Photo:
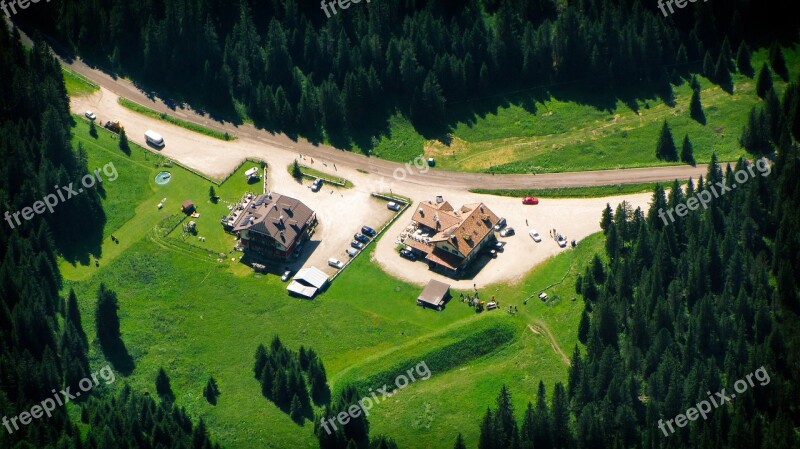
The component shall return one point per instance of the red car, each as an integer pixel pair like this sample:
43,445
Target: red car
530,200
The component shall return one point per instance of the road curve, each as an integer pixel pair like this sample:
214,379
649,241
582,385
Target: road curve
382,167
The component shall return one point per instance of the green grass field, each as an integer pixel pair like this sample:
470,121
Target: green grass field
77,85
312,173
197,314
136,107
557,134
573,192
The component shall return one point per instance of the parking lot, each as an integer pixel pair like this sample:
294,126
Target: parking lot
574,218
340,212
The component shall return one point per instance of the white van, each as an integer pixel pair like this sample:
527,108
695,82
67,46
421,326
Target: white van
153,138
335,263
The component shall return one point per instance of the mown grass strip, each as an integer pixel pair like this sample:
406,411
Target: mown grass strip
77,85
574,192
311,173
136,107
469,346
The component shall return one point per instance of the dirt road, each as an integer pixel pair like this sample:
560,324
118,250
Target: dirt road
380,167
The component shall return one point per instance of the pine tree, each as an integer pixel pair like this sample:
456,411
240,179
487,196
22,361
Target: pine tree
123,142
722,75
607,218
708,66
764,82
261,361
755,134
743,60
296,172
665,149
211,391
694,83
212,194
696,108
92,129
296,410
777,61
687,151
583,327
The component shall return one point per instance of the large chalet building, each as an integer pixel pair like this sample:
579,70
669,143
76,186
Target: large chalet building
270,225
450,239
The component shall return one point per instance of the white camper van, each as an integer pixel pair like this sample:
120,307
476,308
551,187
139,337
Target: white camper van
154,138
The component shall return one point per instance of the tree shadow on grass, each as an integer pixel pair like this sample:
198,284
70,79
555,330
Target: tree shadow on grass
116,353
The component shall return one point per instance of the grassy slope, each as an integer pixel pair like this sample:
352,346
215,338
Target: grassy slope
77,85
562,135
197,316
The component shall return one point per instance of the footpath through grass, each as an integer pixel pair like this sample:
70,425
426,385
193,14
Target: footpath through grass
136,107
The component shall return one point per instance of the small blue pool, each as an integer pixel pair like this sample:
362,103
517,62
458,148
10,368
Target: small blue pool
163,177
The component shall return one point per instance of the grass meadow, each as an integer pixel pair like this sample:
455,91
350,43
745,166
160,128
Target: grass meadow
196,314
541,130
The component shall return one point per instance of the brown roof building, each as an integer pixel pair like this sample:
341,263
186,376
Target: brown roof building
271,225
451,238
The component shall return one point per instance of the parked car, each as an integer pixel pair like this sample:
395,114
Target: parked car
500,224
543,296
491,305
90,115
351,252
408,254
316,185
562,241
393,206
530,200
335,263
368,231
361,238
507,232
499,246
491,253
356,244
535,235
286,275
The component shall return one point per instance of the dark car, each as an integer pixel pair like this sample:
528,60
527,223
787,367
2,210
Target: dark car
500,224
356,244
361,238
368,231
408,254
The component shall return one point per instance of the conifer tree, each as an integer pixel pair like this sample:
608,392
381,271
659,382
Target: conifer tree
764,82
665,149
687,151
743,64
777,62
696,108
